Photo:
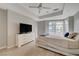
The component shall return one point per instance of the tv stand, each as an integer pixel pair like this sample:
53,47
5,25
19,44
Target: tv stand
22,39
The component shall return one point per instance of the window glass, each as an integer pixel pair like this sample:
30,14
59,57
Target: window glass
55,27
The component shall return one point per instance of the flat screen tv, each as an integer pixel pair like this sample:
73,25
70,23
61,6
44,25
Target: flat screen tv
25,28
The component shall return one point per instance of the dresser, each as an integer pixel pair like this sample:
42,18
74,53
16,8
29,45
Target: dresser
22,39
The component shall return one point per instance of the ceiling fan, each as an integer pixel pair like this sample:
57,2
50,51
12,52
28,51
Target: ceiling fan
40,6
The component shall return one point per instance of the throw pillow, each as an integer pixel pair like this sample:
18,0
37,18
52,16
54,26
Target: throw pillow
66,34
72,35
77,37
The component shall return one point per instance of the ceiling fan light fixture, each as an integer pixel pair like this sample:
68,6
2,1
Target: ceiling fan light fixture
56,9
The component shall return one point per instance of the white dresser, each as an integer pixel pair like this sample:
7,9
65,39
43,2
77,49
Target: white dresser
23,39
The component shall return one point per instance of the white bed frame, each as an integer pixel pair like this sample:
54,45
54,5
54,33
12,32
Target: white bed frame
60,50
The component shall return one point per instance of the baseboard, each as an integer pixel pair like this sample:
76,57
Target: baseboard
11,46
2,47
8,47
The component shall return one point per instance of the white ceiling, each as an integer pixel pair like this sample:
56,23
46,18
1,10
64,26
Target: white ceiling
43,11
70,9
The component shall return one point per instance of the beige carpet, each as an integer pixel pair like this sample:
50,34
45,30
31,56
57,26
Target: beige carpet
28,50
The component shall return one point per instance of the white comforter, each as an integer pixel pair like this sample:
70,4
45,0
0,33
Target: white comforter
58,41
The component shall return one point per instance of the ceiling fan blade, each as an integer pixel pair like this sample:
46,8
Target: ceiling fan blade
46,7
56,9
33,7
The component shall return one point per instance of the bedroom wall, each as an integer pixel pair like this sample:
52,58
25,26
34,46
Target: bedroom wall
76,22
66,25
41,27
3,28
13,26
71,24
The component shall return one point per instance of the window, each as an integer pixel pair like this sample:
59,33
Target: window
55,27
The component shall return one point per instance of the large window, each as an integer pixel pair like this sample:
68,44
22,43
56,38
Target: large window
56,27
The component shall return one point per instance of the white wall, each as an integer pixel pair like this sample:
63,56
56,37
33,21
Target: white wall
71,24
41,27
3,28
76,22
66,25
13,26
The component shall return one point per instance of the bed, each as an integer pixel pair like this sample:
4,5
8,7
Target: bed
59,44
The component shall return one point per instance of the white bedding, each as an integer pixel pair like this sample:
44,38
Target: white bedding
61,44
58,41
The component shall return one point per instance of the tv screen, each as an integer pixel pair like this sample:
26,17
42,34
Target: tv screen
24,28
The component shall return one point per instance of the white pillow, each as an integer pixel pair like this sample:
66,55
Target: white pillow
77,37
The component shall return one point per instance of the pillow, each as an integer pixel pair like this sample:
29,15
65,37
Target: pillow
77,37
66,34
72,35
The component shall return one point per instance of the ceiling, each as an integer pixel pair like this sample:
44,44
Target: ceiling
51,6
69,9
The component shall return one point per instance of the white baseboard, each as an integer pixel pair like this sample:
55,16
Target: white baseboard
11,46
8,47
2,47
